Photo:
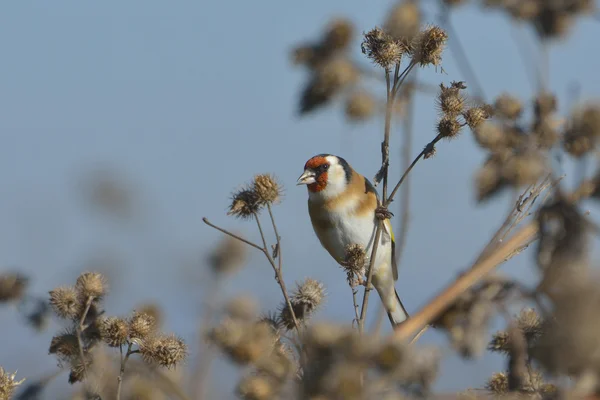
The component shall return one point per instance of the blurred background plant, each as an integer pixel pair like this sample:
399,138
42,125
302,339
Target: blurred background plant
391,71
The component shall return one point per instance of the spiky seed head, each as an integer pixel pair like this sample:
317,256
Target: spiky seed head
525,168
267,188
228,256
304,55
164,350
256,387
65,302
114,331
403,21
587,120
448,127
530,323
489,136
245,204
429,151
450,100
141,325
360,106
12,286
429,45
390,355
475,116
64,345
499,342
242,307
381,48
498,383
244,342
154,311
305,300
8,384
338,34
508,107
544,105
91,284
488,180
77,373
356,259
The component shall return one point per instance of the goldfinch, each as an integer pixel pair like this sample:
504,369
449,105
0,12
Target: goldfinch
341,205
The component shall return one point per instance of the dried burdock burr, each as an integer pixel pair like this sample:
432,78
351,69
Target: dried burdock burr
476,116
507,107
256,387
244,342
140,326
583,131
164,350
66,303
245,203
91,285
305,300
448,127
338,35
65,345
327,80
355,262
382,49
450,100
489,179
498,383
114,331
8,384
525,168
403,21
228,256
429,45
12,286
360,106
489,136
267,188
242,307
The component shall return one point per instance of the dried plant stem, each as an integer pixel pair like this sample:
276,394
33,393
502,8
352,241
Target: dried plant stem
479,270
79,331
276,236
265,251
124,359
355,303
368,288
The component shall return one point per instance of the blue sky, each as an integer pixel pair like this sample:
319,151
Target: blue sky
185,101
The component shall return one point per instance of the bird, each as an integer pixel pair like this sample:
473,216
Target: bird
342,207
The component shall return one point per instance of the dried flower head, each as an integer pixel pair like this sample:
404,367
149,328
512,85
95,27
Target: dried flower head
530,323
228,256
448,127
153,310
245,203
499,342
544,105
65,345
78,369
429,46
490,136
403,21
91,285
360,106
65,302
305,300
257,387
429,151
381,48
338,35
525,168
489,179
242,307
508,107
498,383
327,80
140,326
244,342
12,286
308,55
584,130
450,99
114,331
355,262
8,384
164,350
267,188
475,116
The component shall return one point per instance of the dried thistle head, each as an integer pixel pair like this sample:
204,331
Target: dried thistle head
490,136
499,342
228,256
355,262
475,116
584,130
245,203
242,307
78,368
327,80
305,300
64,345
360,106
525,168
403,21
140,326
381,48
448,127
450,100
338,35
508,107
530,324
8,384
244,342
544,104
91,285
12,286
164,350
114,331
489,179
268,189
153,310
429,45
498,383
65,302
257,387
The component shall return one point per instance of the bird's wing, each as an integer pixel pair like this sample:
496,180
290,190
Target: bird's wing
387,224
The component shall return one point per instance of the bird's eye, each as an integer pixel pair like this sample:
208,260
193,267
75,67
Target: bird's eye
325,167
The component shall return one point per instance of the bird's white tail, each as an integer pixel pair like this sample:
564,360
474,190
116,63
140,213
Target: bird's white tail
398,314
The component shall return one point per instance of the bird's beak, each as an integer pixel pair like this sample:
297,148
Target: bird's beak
306,178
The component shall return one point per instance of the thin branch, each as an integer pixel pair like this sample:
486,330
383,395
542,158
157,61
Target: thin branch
122,369
365,303
276,236
80,329
233,235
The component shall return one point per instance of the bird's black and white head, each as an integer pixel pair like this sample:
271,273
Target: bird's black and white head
326,175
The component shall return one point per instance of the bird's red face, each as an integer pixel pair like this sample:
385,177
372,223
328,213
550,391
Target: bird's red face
315,174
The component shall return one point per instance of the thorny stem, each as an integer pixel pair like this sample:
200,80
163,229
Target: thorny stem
122,369
265,251
80,329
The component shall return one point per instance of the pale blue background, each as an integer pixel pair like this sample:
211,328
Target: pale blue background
187,100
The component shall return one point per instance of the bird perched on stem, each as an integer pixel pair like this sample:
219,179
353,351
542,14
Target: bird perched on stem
342,206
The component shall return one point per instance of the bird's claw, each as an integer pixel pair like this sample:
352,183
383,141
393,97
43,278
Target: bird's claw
382,213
